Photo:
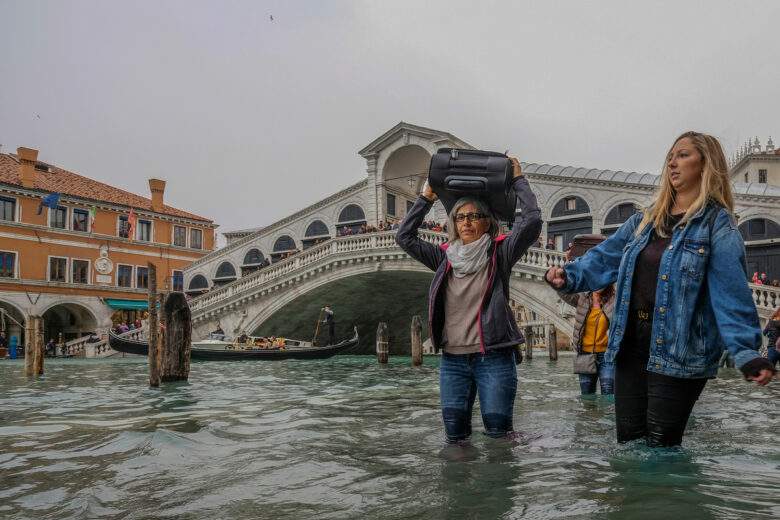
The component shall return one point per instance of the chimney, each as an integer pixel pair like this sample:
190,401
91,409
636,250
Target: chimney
157,187
27,158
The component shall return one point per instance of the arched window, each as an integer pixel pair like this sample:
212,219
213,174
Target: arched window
351,218
317,229
762,252
226,273
253,257
617,216
316,232
253,261
283,247
570,206
198,285
570,217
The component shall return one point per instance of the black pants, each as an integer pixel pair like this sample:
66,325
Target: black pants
331,333
647,404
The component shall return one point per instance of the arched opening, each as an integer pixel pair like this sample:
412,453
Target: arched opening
316,232
403,174
283,248
350,220
570,217
226,273
254,260
72,320
12,324
198,285
617,216
762,247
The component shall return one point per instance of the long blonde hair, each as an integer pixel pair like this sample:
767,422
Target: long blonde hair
715,185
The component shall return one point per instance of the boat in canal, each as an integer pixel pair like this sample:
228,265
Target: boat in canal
219,348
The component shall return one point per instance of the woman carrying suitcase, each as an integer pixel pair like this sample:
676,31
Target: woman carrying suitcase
681,295
469,315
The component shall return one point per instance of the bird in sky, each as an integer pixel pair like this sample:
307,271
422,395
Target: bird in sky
271,17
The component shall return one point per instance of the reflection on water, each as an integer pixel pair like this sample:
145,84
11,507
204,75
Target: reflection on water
346,438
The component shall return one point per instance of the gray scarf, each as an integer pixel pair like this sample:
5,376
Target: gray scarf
468,258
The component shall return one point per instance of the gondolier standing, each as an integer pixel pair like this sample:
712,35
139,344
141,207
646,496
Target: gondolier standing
330,321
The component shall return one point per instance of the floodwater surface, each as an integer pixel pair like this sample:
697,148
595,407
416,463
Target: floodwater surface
347,438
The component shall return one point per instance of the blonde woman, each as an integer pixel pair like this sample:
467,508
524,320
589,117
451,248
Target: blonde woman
682,295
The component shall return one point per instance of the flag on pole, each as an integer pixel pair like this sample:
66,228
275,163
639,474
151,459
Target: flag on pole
50,201
92,215
131,221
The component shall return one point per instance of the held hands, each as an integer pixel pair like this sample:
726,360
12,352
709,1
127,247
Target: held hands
428,193
517,171
556,277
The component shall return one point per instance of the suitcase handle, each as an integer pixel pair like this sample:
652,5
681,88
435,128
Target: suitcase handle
468,184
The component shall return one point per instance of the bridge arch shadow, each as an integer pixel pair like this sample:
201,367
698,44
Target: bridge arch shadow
362,299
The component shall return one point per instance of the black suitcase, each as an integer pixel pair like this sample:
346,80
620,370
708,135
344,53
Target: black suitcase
457,173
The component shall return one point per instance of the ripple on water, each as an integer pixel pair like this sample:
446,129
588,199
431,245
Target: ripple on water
346,438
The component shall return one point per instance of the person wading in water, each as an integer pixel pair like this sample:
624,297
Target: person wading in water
682,295
469,315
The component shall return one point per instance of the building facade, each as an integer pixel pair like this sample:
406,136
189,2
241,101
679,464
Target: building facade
76,263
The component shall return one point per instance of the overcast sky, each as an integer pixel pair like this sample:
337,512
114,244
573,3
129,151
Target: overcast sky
249,119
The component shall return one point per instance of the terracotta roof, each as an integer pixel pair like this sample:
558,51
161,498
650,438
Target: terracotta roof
69,183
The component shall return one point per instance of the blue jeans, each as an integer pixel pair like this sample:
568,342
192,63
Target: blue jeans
605,375
493,376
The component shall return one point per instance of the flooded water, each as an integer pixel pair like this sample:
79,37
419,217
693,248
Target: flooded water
346,438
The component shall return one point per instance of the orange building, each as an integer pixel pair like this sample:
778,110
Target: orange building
75,264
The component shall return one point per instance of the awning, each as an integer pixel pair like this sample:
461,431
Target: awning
127,305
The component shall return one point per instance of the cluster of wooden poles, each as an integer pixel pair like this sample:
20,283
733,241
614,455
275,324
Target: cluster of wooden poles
383,343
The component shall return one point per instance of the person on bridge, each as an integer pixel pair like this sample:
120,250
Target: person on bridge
330,321
680,296
469,315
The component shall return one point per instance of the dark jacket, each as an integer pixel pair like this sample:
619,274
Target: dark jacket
582,302
497,327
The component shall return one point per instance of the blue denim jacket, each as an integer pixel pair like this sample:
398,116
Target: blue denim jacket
702,303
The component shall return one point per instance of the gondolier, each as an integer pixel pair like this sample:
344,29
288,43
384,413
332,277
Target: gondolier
330,321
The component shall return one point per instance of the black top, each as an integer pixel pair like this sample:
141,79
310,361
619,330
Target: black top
639,329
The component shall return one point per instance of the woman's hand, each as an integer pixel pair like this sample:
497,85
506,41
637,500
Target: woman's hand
517,171
556,277
428,193
763,377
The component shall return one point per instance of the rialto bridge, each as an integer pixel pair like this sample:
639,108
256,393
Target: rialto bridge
243,285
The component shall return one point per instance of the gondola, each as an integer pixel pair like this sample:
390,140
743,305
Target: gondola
219,350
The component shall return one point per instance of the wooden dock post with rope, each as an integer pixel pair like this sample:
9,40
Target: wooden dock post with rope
382,343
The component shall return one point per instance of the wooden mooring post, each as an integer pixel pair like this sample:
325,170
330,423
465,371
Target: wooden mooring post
528,332
33,348
382,343
154,329
176,338
416,335
552,342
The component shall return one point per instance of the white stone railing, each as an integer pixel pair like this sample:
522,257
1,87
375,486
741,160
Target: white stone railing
535,260
767,298
81,347
349,244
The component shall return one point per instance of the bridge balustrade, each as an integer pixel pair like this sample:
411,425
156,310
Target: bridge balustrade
535,261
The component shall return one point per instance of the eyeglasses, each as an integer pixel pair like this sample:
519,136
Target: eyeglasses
471,217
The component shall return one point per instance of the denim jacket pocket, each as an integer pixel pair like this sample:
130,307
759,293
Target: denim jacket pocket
694,259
